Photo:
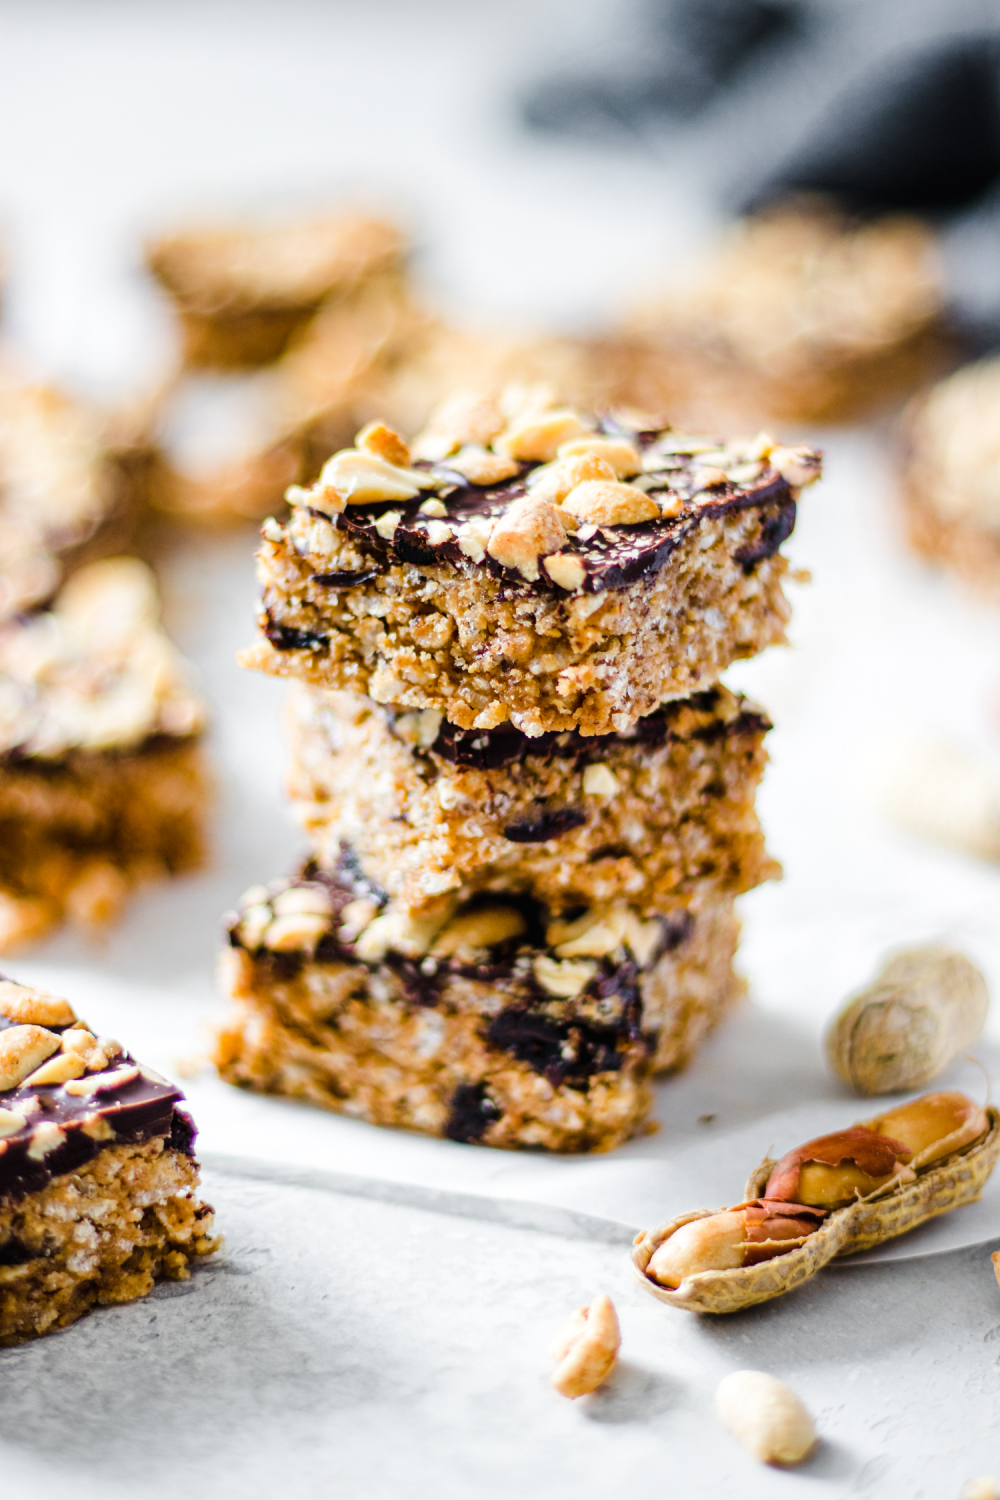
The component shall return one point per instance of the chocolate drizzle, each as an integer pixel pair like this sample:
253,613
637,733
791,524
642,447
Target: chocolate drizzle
492,749
341,578
774,530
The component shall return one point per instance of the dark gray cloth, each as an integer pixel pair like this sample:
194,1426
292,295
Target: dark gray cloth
885,105
685,52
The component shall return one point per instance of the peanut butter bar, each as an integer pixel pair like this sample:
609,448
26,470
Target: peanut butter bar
242,290
98,1181
102,783
658,816
486,1022
950,491
530,566
65,498
801,314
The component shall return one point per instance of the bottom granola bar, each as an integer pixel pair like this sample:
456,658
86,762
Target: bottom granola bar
97,1172
490,1024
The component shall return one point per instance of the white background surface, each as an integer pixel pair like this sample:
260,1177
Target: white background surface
356,1347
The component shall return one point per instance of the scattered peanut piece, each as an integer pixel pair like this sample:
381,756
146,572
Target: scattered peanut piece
527,532
995,1258
766,1416
586,1348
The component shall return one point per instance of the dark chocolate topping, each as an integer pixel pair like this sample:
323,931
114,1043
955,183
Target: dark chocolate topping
775,529
612,557
76,757
345,884
136,1110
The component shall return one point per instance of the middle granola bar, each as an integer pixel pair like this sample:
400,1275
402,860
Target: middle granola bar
658,816
530,565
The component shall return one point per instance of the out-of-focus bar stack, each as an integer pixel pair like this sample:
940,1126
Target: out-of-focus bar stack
529,798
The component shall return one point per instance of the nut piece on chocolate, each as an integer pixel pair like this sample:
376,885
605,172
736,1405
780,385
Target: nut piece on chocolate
98,1181
423,589
242,290
101,776
488,1022
657,816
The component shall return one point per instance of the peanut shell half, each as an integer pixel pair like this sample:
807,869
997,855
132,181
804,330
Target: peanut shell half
890,1211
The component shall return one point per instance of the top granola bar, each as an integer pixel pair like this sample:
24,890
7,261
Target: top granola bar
530,564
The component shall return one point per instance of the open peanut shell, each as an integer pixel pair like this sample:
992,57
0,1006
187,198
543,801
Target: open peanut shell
915,1196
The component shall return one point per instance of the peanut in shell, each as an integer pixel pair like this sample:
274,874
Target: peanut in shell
925,1007
935,1187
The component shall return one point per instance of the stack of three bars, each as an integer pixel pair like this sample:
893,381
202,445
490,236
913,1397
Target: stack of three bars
530,801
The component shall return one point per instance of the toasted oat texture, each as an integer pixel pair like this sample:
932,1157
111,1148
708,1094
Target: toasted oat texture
659,816
102,783
489,603
800,314
102,1234
951,487
884,1214
64,497
242,290
479,1024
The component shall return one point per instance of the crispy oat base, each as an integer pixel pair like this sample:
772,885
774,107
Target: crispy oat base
482,650
103,1234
